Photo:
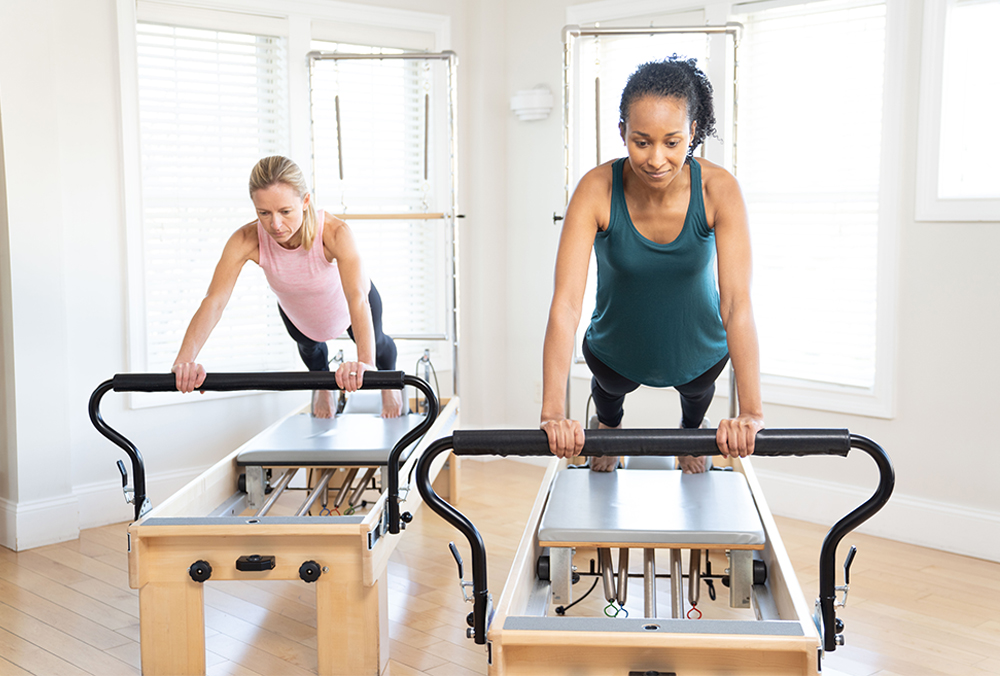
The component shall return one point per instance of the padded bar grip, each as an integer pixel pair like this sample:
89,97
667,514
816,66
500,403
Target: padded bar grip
776,442
229,382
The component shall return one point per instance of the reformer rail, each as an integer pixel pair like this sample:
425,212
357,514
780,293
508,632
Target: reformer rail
272,381
671,442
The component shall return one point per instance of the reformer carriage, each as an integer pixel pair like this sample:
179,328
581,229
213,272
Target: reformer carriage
650,509
224,524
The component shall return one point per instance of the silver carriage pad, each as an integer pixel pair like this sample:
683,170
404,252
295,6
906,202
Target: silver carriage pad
363,439
654,508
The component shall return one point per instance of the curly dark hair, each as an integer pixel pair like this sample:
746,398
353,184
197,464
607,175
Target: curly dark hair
676,77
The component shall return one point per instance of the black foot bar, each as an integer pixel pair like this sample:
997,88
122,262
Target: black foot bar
769,443
277,381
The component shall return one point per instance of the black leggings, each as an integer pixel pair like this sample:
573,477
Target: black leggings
316,355
609,388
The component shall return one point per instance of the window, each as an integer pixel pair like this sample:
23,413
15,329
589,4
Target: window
814,205
379,128
960,88
211,103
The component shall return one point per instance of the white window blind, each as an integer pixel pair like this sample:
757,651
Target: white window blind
211,103
389,156
808,160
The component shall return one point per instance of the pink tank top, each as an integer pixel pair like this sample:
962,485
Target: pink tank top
307,285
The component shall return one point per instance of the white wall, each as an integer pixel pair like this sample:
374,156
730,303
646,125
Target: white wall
64,295
8,459
948,314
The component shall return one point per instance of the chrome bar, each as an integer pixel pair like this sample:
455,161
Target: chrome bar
315,493
343,56
345,487
676,585
610,593
622,575
649,582
731,28
453,156
279,488
694,577
360,490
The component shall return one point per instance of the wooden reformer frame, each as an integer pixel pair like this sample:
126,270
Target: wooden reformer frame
786,639
198,534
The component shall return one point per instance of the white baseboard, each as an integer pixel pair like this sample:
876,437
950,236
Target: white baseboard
103,502
39,522
905,518
26,525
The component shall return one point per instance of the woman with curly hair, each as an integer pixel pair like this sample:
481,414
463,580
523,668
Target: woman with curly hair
657,220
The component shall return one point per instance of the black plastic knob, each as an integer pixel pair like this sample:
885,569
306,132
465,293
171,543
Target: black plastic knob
470,619
406,517
255,563
200,571
310,571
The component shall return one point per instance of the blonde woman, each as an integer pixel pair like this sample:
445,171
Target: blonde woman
312,264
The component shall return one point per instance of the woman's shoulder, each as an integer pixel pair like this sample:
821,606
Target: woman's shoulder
600,175
247,235
595,185
330,225
716,180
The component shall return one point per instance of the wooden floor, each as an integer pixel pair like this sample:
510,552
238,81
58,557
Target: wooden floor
67,608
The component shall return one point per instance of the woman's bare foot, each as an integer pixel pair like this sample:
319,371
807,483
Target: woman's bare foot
322,404
691,464
606,463
392,404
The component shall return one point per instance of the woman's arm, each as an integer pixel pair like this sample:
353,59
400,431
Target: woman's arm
339,241
240,248
572,261
732,240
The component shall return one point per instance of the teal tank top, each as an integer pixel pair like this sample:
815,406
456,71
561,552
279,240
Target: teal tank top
656,320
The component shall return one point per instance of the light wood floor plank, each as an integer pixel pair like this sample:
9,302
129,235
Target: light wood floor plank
64,620
11,669
34,659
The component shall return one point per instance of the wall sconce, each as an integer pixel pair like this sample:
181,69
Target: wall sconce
532,104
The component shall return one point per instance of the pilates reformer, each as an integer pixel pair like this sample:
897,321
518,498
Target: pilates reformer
224,525
780,637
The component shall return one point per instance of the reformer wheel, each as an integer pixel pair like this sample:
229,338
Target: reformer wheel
542,567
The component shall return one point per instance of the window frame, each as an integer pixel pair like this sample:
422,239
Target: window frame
879,400
929,206
298,22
